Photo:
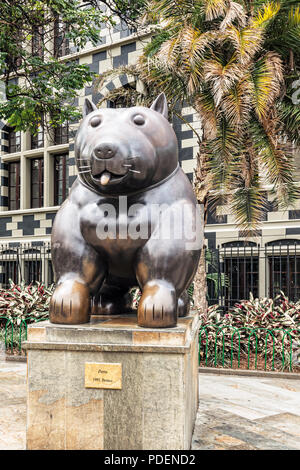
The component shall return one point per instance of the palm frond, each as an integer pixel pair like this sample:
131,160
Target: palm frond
220,77
235,12
223,150
248,206
267,77
292,29
236,103
205,106
194,44
169,53
247,42
156,42
277,161
294,16
289,114
266,14
214,8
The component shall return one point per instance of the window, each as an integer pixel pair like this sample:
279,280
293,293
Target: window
9,270
37,140
280,244
32,271
243,277
238,244
37,182
14,186
61,134
61,42
50,273
61,177
284,267
14,141
284,273
38,42
14,60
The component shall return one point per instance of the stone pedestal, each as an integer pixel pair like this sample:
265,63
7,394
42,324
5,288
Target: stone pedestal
151,403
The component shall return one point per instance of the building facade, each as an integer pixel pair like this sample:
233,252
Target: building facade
38,171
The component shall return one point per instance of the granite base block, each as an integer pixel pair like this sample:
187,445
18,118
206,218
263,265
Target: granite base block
155,408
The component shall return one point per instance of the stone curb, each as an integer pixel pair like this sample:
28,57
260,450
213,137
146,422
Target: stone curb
211,370
249,373
15,358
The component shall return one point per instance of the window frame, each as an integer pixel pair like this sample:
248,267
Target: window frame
40,183
64,179
61,42
14,189
37,141
14,141
37,42
61,134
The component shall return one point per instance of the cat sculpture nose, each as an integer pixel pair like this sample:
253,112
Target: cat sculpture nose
105,150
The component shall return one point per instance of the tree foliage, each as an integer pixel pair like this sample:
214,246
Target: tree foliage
38,81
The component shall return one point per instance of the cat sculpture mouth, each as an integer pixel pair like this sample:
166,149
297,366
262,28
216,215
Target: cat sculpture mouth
108,177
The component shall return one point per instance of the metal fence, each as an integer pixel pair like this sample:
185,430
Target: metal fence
236,269
13,335
26,262
224,347
249,348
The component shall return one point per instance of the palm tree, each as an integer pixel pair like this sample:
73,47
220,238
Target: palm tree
234,62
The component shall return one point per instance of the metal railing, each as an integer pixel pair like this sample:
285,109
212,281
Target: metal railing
25,262
272,353
12,335
214,351
236,269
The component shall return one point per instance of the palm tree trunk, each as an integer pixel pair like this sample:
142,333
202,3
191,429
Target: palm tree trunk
200,286
200,188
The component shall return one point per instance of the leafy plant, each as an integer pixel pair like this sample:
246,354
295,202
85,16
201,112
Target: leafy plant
25,303
268,328
19,305
135,297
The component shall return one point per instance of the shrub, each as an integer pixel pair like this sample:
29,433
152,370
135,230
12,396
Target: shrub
268,327
20,305
25,303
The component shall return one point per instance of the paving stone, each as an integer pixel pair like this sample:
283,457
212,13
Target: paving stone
287,422
256,415
260,441
235,413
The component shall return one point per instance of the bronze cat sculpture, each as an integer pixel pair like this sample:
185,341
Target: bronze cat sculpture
125,157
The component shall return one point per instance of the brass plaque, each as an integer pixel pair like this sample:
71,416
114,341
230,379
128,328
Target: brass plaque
103,375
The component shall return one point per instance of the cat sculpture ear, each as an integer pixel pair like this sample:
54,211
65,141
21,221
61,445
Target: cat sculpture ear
160,105
88,107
